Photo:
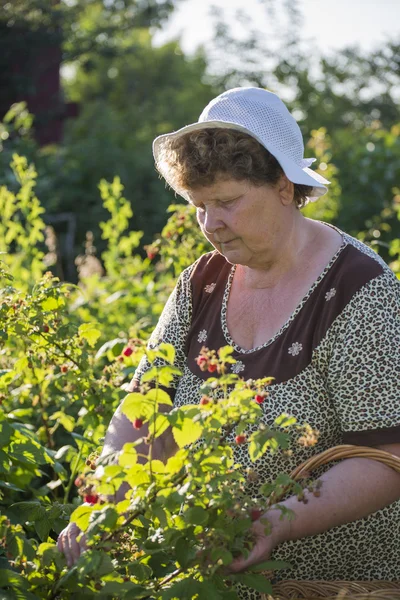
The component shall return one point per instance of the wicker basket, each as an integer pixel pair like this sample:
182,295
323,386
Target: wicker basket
339,590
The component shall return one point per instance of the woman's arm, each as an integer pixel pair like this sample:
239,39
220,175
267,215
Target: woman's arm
120,431
350,490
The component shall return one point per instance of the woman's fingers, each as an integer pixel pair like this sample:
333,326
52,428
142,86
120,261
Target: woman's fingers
68,544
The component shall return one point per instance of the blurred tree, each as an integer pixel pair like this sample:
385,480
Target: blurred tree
126,101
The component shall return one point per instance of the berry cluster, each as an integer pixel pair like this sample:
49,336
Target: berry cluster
208,361
309,438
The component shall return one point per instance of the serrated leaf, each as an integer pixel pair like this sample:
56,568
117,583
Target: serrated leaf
187,433
255,582
50,304
42,528
166,352
182,548
196,515
81,516
90,333
159,424
270,565
285,420
158,395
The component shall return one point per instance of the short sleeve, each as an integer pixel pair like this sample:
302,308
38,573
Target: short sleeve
172,328
364,368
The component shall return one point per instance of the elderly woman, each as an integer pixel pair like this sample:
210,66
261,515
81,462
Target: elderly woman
298,300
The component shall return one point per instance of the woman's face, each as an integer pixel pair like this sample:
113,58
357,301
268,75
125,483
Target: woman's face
244,222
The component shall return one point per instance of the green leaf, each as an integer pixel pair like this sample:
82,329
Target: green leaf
135,406
28,511
128,456
270,565
90,333
140,571
50,304
166,352
115,346
42,528
137,592
67,421
159,424
196,515
149,375
225,351
285,420
187,433
81,516
104,520
94,562
186,589
182,548
223,555
255,582
158,395
12,579
167,374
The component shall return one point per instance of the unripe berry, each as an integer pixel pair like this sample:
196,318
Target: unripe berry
240,439
137,423
212,368
128,351
202,362
78,481
64,369
204,401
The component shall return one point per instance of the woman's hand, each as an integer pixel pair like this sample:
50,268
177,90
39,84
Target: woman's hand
68,543
264,544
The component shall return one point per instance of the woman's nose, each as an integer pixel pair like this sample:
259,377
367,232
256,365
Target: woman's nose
211,221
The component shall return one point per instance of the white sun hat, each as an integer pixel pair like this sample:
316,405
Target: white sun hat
264,116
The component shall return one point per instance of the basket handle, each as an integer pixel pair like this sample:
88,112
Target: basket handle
345,451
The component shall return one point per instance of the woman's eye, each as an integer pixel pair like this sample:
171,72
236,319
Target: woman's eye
229,202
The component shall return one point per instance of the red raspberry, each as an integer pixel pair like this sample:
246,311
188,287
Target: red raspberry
128,351
46,328
259,398
240,439
137,423
255,514
212,368
91,498
64,369
204,401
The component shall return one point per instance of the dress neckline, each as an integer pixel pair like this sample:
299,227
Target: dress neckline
228,286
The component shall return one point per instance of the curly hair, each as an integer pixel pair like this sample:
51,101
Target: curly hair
200,158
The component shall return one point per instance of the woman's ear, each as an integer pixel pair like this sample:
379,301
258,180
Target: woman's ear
285,190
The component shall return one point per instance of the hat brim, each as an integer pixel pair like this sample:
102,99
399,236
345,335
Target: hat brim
294,172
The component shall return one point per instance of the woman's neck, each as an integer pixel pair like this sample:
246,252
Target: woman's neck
293,255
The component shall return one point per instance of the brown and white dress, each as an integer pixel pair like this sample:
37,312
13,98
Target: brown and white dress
335,362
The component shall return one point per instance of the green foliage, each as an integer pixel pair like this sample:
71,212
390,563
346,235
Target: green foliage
62,374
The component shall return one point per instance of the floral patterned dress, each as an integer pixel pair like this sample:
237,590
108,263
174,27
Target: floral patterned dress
335,362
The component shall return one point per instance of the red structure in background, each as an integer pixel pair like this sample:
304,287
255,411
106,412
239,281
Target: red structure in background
34,77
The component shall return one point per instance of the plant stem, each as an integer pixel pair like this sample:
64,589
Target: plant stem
73,473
